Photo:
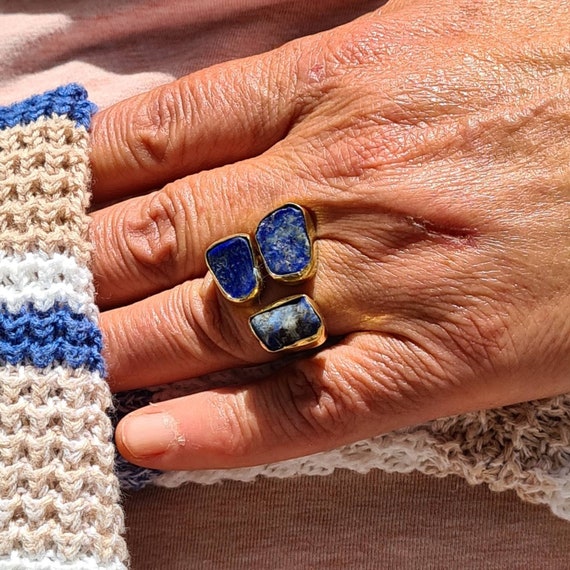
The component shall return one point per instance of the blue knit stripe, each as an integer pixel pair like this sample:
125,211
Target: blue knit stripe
69,100
49,338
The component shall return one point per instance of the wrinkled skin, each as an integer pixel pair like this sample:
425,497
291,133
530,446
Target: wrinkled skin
431,140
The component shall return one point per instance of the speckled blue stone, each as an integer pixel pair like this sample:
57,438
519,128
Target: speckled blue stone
232,263
286,324
284,242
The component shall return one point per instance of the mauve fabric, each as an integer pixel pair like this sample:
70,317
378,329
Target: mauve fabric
117,48
345,521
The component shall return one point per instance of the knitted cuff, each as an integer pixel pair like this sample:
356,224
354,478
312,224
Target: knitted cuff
59,497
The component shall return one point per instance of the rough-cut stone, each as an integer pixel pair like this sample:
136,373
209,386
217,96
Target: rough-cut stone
232,263
286,324
284,242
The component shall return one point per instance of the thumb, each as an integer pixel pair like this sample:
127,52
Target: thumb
357,389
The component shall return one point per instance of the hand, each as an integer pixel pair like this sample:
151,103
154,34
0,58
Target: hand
431,140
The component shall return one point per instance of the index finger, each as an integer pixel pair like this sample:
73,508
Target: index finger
215,116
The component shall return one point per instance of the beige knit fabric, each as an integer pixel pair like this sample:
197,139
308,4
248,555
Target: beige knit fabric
42,167
59,496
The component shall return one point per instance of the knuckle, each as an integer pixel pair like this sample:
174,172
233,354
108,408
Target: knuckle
324,404
162,117
360,44
474,318
406,367
239,437
407,378
363,149
154,238
345,152
409,375
210,327
483,334
369,137
448,352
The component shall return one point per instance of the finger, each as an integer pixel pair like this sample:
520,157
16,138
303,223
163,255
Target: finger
216,116
185,332
190,330
362,387
147,244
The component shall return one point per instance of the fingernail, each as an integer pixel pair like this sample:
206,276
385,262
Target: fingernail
145,435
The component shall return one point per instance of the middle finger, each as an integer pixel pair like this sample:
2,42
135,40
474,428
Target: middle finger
148,244
190,330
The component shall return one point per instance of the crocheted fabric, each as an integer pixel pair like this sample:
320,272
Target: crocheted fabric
59,496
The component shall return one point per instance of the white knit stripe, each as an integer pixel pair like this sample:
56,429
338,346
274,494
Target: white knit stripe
50,562
43,280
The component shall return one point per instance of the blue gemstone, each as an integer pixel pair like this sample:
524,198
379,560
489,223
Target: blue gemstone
286,324
284,241
232,263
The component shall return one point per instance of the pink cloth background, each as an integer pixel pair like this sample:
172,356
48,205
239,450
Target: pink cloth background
122,47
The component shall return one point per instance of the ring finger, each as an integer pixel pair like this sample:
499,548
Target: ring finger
190,330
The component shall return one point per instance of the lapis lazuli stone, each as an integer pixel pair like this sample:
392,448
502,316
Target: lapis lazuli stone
232,263
284,242
286,324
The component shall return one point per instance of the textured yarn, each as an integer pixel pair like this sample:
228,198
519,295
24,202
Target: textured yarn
51,336
42,164
131,476
59,496
43,281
